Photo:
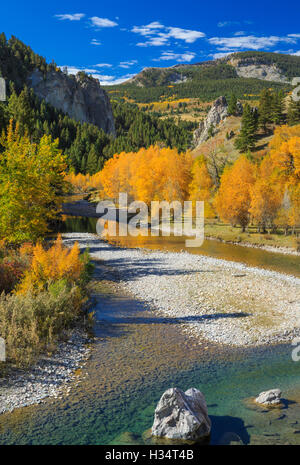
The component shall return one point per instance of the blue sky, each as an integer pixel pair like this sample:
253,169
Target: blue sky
117,39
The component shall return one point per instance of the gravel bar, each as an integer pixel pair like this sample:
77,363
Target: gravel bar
218,300
50,377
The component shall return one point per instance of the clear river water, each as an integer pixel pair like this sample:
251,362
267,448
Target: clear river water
137,355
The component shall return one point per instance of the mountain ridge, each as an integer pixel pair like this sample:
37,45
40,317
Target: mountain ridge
273,67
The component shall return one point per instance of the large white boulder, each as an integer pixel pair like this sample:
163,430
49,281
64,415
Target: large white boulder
182,415
271,397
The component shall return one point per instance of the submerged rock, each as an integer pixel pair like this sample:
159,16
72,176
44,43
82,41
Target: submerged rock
127,439
230,438
271,397
182,415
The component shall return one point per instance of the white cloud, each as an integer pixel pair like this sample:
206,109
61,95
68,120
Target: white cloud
95,42
127,64
290,51
248,42
112,81
239,33
296,36
157,41
179,57
102,22
103,65
147,30
105,79
220,55
158,34
74,69
185,34
297,54
227,23
233,23
70,17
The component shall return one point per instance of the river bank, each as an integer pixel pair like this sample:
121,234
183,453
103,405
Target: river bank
210,300
84,208
217,300
240,242
49,377
139,352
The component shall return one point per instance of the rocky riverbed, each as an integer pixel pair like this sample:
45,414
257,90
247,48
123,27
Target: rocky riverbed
210,299
217,300
50,377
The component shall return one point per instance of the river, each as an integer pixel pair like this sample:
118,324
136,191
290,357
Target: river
137,355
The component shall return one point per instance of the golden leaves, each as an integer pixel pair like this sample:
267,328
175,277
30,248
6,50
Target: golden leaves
50,265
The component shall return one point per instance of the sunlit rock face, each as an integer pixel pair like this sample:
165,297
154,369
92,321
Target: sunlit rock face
271,397
217,113
80,97
182,415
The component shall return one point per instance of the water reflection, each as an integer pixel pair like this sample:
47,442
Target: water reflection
289,264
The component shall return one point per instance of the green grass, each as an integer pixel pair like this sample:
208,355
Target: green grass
230,233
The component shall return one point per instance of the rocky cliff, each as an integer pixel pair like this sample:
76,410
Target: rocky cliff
217,113
80,96
266,72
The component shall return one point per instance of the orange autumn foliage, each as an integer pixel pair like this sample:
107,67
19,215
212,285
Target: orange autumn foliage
84,182
284,156
265,202
50,265
150,174
234,196
202,185
294,211
278,180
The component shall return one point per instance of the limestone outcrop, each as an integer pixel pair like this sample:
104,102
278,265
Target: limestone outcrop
254,69
81,97
216,114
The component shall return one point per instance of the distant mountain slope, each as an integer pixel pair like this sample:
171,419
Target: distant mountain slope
278,68
244,73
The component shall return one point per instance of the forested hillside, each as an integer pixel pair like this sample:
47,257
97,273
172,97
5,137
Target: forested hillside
86,146
204,89
210,79
17,60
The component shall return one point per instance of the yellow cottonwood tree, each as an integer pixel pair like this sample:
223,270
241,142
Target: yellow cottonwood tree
202,185
31,181
265,202
234,196
150,174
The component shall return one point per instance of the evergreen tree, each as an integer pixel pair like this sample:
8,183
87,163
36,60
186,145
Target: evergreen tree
278,108
246,138
265,109
20,110
294,112
92,161
232,105
83,164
